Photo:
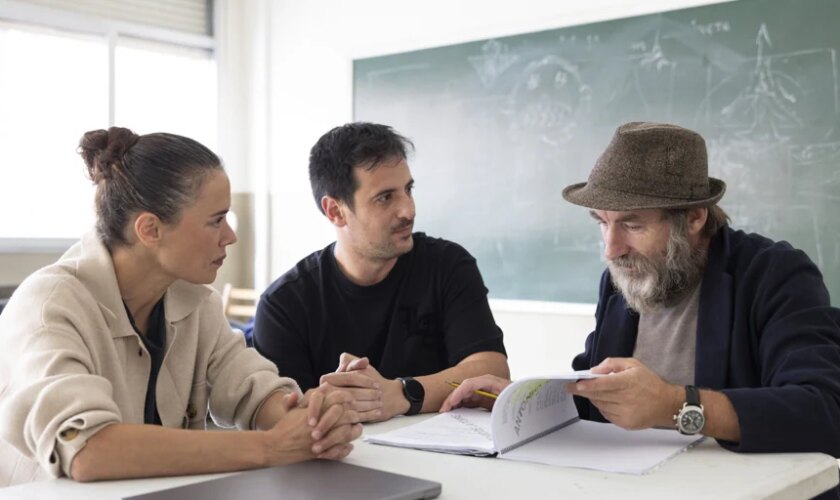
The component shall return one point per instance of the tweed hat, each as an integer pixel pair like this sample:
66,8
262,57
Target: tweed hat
649,165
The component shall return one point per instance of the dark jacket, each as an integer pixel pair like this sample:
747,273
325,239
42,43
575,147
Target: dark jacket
767,337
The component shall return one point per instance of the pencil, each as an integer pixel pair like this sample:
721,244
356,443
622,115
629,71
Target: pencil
477,391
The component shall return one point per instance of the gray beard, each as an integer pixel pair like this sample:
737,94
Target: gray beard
650,283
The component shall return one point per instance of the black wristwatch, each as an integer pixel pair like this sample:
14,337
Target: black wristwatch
690,419
414,393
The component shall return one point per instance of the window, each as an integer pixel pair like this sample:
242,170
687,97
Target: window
57,83
164,89
53,87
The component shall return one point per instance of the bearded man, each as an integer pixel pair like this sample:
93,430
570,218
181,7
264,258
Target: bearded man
703,328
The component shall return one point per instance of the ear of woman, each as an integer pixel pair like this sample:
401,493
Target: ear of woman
147,229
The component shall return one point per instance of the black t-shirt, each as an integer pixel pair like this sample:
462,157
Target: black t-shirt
428,314
155,342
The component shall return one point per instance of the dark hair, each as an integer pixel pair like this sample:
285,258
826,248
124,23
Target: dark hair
156,173
335,155
716,219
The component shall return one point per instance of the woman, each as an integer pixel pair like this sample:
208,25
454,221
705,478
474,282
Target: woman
113,352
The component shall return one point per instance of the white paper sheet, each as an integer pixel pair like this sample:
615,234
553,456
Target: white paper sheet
462,431
604,447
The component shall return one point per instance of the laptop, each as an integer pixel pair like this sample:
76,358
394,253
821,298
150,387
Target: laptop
315,479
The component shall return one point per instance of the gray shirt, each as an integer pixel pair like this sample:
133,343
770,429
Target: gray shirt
666,340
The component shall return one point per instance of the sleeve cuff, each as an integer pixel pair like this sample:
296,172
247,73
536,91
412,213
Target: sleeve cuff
71,437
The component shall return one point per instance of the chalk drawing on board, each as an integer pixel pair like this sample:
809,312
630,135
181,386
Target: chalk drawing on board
641,82
758,110
492,62
817,154
771,97
542,111
820,190
736,157
654,58
547,99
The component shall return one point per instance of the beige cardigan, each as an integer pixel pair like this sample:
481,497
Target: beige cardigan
71,363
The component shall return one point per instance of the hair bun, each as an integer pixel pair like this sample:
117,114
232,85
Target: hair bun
103,151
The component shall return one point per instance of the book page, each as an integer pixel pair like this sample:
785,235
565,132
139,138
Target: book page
604,447
533,406
464,431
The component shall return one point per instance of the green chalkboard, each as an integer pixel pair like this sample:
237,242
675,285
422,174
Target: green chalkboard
502,125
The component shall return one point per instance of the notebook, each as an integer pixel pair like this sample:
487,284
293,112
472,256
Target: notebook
315,479
535,420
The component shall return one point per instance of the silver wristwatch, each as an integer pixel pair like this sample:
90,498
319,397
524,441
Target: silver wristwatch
690,419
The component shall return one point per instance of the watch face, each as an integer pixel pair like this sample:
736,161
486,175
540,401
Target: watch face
692,420
414,393
413,390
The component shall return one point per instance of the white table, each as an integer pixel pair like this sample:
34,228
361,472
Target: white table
706,471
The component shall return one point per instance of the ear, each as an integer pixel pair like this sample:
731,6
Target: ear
148,229
335,211
696,220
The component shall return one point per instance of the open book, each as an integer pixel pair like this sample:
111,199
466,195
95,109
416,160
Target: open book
535,420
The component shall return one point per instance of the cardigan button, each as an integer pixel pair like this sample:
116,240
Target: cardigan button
140,352
69,434
191,411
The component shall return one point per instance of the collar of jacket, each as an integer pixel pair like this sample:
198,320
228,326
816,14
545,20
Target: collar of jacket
95,269
714,315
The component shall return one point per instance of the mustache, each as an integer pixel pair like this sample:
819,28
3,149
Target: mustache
648,282
637,263
405,223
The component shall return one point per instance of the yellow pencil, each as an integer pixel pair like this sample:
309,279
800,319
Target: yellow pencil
479,392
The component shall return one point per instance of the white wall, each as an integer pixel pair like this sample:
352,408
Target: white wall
541,337
313,44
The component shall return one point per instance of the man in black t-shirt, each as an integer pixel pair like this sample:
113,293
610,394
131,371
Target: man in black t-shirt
386,304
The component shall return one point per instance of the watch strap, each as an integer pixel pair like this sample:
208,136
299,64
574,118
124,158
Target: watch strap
692,395
691,405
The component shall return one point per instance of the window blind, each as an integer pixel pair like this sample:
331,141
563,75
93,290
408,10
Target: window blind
186,16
